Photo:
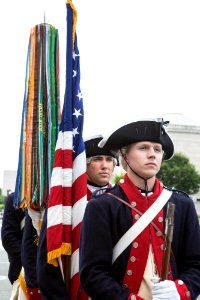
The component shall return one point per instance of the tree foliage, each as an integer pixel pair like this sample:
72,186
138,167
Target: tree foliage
116,178
2,199
180,174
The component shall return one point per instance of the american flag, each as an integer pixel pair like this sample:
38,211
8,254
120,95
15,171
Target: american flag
68,193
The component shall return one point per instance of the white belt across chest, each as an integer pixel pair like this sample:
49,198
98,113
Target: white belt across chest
141,224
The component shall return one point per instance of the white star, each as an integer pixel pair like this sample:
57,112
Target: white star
74,73
77,113
74,55
79,95
75,131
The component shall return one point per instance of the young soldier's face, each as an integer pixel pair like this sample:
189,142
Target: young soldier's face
145,158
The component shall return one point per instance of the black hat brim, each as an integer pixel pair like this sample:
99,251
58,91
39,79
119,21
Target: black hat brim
134,132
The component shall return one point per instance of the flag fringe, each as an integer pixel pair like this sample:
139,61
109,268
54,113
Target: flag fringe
52,257
22,284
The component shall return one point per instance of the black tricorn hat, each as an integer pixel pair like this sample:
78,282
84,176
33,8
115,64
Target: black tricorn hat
138,131
92,148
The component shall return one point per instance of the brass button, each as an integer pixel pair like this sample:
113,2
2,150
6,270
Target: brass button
160,219
187,294
129,272
133,259
135,245
133,297
180,282
162,247
137,217
133,204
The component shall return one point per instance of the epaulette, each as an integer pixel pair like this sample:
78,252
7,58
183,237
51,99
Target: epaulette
173,189
101,191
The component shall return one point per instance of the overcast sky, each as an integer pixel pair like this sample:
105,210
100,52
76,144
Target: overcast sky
138,58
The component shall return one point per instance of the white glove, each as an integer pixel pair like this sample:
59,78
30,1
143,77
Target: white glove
15,290
165,290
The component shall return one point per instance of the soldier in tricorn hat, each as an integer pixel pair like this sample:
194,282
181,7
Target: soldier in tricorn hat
100,166
122,237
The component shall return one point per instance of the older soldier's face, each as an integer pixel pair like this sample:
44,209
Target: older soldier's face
99,169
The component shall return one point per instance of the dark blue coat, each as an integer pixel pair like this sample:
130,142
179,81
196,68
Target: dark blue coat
29,253
11,235
105,222
50,279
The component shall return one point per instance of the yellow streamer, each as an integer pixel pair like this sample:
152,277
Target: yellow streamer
74,21
22,284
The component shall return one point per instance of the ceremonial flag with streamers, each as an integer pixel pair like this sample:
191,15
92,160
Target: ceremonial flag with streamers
68,193
40,118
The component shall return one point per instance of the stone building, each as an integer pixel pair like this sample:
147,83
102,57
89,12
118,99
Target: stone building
185,134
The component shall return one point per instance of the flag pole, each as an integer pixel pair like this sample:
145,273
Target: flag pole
67,258
67,272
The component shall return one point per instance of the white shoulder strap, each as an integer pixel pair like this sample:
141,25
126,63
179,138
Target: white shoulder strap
141,224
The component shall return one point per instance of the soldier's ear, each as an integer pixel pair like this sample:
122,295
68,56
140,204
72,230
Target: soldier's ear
164,155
